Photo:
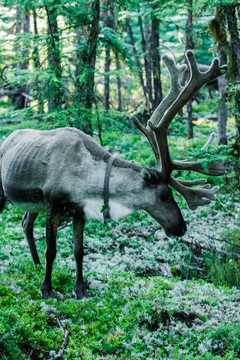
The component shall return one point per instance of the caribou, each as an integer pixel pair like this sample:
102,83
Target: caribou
66,172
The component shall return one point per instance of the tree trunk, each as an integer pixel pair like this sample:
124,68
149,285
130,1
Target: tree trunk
25,54
85,63
26,30
222,112
17,45
36,57
106,22
19,99
145,38
189,119
148,62
137,61
55,97
235,63
119,84
189,45
222,83
118,66
156,62
106,94
91,61
36,60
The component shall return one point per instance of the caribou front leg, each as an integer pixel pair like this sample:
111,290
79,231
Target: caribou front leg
78,227
27,223
50,253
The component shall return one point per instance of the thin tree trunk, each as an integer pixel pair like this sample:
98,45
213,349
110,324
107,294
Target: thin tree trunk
19,99
106,94
235,61
36,57
106,22
25,54
222,112
156,62
147,64
118,66
85,62
78,66
26,30
189,45
17,45
92,44
54,60
37,65
119,84
137,61
222,83
189,119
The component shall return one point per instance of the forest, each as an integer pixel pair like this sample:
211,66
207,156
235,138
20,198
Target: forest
141,78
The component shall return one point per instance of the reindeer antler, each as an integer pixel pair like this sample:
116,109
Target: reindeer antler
158,124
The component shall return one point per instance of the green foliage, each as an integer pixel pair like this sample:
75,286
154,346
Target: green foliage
225,270
110,37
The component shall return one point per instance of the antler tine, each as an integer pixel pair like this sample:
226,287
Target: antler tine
196,81
212,168
214,70
175,73
158,124
198,196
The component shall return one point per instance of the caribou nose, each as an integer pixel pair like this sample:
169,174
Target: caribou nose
178,230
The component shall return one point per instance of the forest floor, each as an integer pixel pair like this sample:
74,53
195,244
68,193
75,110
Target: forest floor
151,297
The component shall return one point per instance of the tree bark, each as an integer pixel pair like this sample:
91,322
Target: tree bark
222,83
148,62
25,54
137,61
189,45
18,99
156,70
55,97
36,57
85,63
26,30
37,65
118,65
119,84
145,38
235,63
17,45
91,58
106,22
222,112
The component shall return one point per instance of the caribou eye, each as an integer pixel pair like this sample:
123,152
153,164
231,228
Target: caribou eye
166,195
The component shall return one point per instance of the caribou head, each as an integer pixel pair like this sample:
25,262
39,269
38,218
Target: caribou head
66,172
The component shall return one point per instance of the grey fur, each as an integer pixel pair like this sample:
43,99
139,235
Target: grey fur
61,172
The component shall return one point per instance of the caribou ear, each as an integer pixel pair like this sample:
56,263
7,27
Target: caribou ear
150,176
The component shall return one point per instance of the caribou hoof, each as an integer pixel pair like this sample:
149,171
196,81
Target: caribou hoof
48,294
81,294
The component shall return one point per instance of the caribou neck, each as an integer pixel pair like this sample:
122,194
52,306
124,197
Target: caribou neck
124,183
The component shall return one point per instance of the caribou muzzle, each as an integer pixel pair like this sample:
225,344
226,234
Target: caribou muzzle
178,229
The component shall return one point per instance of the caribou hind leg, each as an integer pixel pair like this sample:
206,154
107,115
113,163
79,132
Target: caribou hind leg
27,223
3,197
78,228
50,253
